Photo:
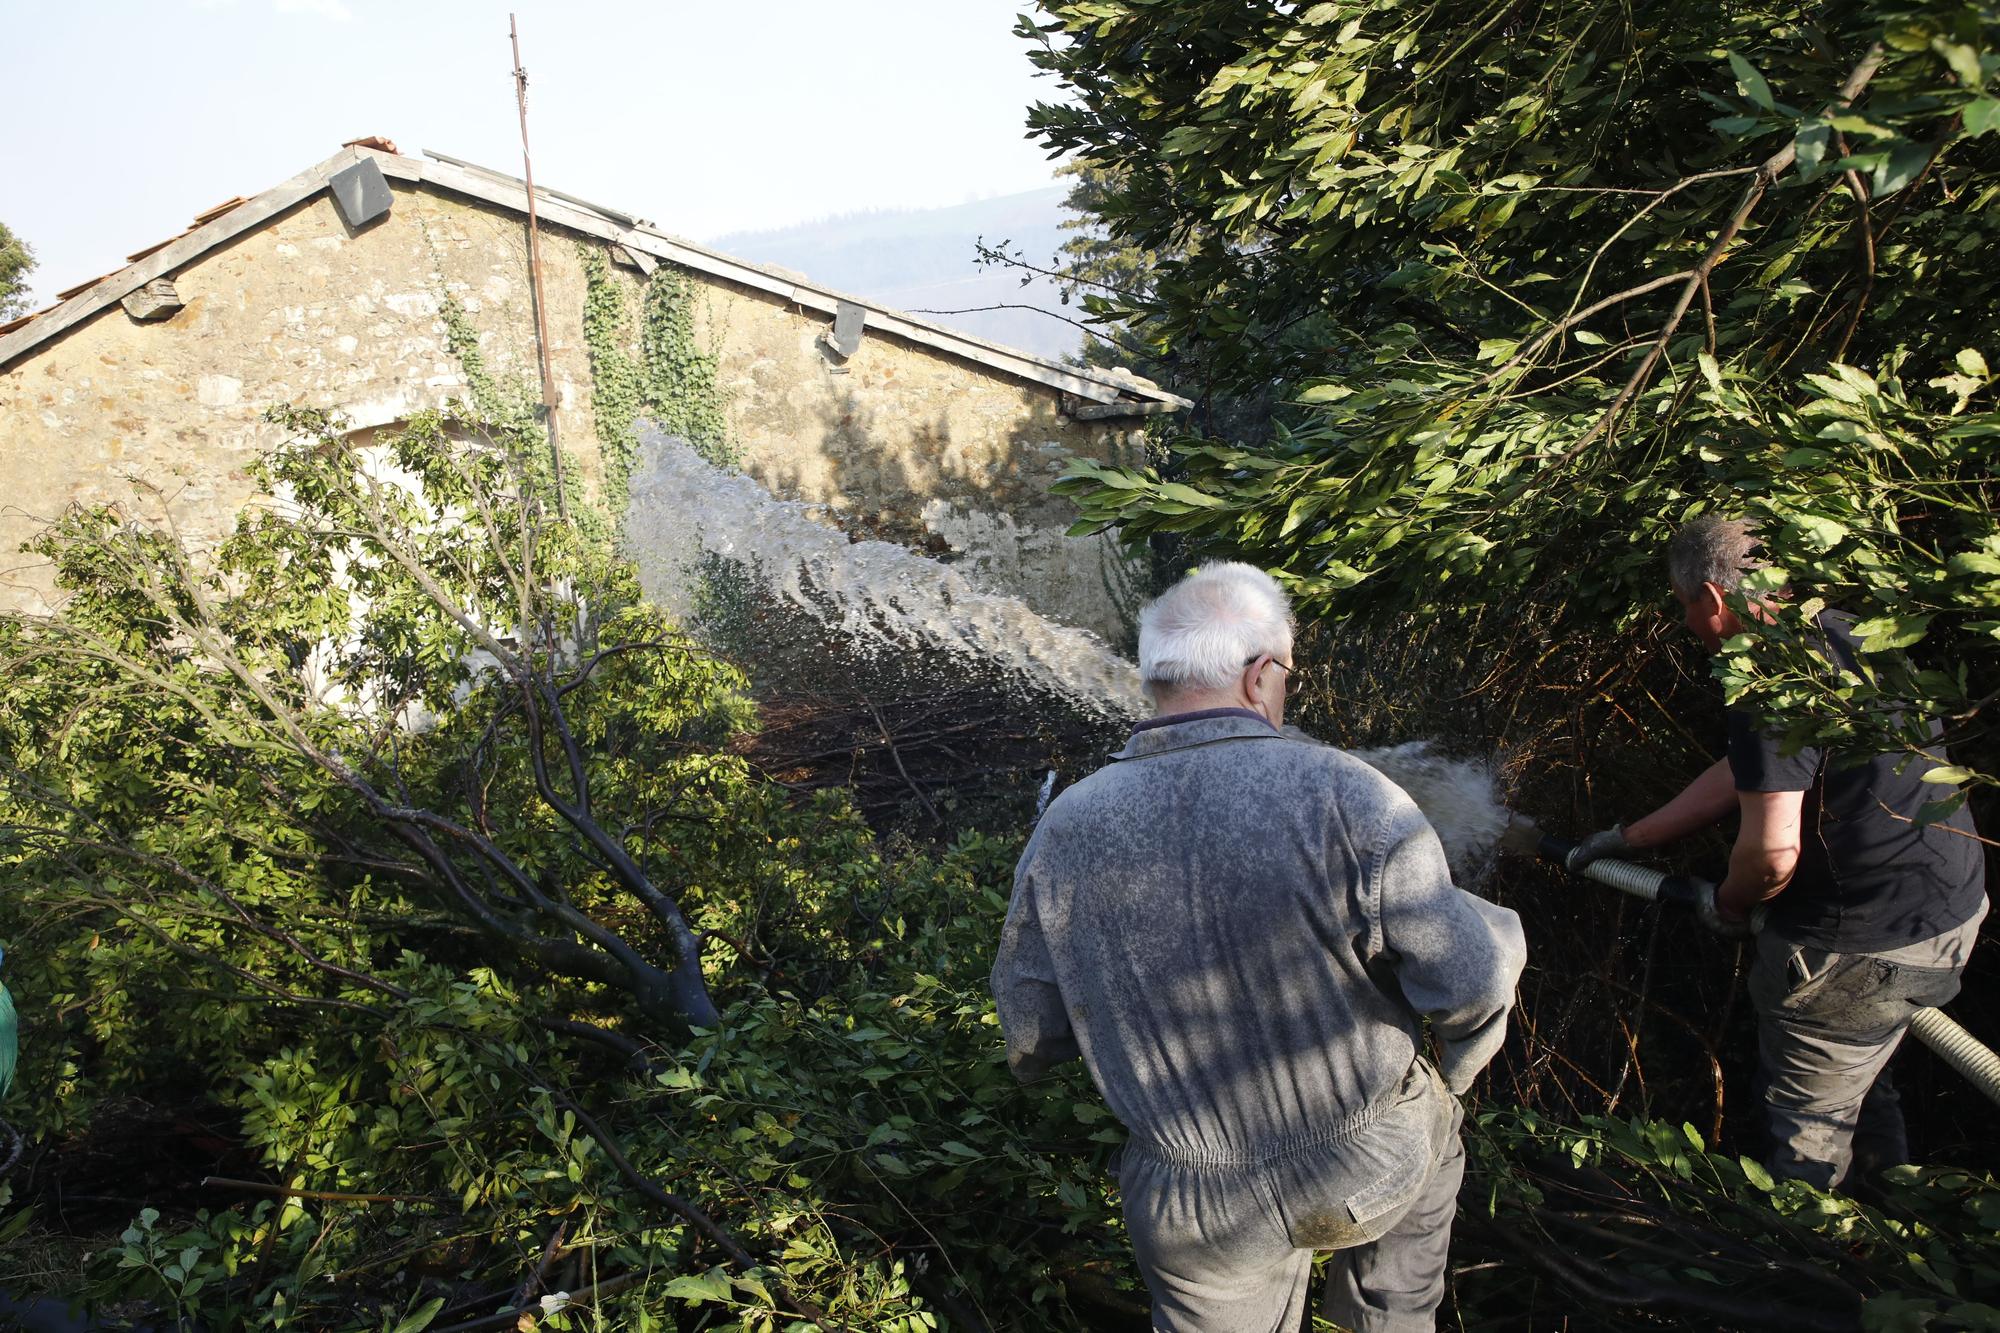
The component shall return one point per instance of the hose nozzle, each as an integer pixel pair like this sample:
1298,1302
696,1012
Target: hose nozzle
1521,836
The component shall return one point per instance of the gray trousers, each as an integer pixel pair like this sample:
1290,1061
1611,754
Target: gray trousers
1827,1024
1227,1246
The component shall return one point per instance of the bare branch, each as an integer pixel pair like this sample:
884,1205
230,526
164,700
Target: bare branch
1766,173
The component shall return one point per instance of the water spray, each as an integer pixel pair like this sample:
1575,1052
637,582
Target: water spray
881,595
1948,1041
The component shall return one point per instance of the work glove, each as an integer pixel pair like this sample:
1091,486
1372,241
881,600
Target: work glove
1709,911
1610,843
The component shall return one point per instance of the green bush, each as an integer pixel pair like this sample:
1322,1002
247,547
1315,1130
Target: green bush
384,831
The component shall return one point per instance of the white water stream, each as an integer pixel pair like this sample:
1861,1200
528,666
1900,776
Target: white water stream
684,510
1461,798
684,507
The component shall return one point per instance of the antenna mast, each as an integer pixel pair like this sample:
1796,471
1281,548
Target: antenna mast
535,275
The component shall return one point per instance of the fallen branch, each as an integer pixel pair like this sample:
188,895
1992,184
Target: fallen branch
328,1196
533,1282
1607,1287
897,756
688,1212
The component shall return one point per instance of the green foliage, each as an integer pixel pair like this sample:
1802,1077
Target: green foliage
290,836
672,380
325,869
1111,280
509,409
1583,273
1884,506
617,383
17,260
1094,259
1694,1227
683,394
10,1041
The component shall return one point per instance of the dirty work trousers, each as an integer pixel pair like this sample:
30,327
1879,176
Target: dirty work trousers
1226,1244
1827,1024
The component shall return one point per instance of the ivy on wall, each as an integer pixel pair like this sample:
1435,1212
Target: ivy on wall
670,379
505,409
673,380
507,406
617,383
512,405
683,389
509,412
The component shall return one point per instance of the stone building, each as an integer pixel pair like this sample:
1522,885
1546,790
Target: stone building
380,285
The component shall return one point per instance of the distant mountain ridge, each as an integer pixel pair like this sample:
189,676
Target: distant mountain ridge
926,261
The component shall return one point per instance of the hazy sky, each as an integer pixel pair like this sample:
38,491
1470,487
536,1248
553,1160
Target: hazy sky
124,118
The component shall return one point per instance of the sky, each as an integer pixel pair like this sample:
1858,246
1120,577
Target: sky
125,118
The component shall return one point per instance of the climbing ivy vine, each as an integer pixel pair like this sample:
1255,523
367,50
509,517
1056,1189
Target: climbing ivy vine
617,382
508,412
507,407
683,391
510,406
673,379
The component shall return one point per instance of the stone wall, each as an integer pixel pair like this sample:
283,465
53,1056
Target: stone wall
912,445
300,311
899,440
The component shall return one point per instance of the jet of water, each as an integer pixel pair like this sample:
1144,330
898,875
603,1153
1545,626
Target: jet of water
1460,797
1046,794
683,508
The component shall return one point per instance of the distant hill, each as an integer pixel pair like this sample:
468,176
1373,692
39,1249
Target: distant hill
925,260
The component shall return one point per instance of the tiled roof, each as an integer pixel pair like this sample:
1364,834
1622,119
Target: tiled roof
201,220
1104,393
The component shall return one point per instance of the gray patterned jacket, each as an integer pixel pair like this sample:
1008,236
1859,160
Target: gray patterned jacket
1239,933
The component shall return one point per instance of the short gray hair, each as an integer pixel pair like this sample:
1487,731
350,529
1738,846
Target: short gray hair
1712,549
1201,633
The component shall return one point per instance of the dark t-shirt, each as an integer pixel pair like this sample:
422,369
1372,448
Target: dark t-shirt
1867,880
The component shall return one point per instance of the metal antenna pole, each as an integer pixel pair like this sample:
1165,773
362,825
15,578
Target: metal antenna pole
535,275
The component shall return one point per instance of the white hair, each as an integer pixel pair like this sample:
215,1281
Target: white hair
1712,548
1201,633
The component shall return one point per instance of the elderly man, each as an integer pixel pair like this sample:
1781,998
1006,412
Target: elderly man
1240,933
1871,915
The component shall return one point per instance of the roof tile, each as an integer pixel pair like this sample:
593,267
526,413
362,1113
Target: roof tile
80,288
226,206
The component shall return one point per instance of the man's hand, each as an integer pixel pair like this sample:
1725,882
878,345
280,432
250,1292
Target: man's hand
1709,908
1610,843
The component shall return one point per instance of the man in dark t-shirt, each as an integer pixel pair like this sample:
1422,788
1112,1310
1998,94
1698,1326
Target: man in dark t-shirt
1870,915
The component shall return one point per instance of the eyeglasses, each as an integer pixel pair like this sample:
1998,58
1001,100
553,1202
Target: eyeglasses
1295,680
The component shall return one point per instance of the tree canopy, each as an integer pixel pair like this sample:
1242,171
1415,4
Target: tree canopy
1583,272
17,260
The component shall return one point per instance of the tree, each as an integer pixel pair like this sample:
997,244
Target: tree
1585,272
17,260
405,838
1110,280
334,623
